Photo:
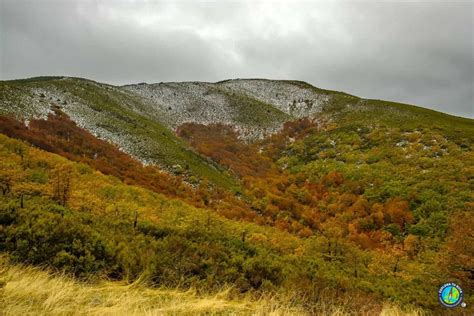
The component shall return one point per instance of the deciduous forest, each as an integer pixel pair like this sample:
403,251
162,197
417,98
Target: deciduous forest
342,209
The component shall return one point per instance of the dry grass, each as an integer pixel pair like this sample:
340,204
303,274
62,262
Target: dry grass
31,291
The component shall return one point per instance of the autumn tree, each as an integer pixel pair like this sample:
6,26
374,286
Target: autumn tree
61,184
457,256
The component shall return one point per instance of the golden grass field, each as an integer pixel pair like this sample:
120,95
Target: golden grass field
31,291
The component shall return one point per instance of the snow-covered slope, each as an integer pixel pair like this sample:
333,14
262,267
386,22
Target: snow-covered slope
177,103
255,107
289,97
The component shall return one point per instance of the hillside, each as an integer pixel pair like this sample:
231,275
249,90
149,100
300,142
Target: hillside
316,200
255,107
110,114
106,228
140,118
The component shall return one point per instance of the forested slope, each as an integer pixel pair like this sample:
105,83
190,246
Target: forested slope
357,201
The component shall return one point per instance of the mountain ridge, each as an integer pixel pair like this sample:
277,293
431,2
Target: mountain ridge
328,91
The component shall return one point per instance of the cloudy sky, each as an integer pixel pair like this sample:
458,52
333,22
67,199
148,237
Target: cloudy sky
418,52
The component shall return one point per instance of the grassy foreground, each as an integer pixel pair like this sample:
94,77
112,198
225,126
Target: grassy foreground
28,290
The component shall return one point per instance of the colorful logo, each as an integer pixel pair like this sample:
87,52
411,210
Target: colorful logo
450,295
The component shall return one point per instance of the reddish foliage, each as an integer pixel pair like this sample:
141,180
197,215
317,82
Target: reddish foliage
289,201
58,134
221,143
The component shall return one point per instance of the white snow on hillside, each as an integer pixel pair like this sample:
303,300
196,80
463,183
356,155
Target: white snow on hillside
290,98
38,102
185,102
206,103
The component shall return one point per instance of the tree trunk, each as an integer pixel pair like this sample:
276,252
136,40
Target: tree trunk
395,268
135,220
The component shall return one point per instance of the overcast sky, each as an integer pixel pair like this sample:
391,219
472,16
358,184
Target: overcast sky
418,52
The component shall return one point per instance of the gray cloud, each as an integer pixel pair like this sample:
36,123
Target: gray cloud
418,52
